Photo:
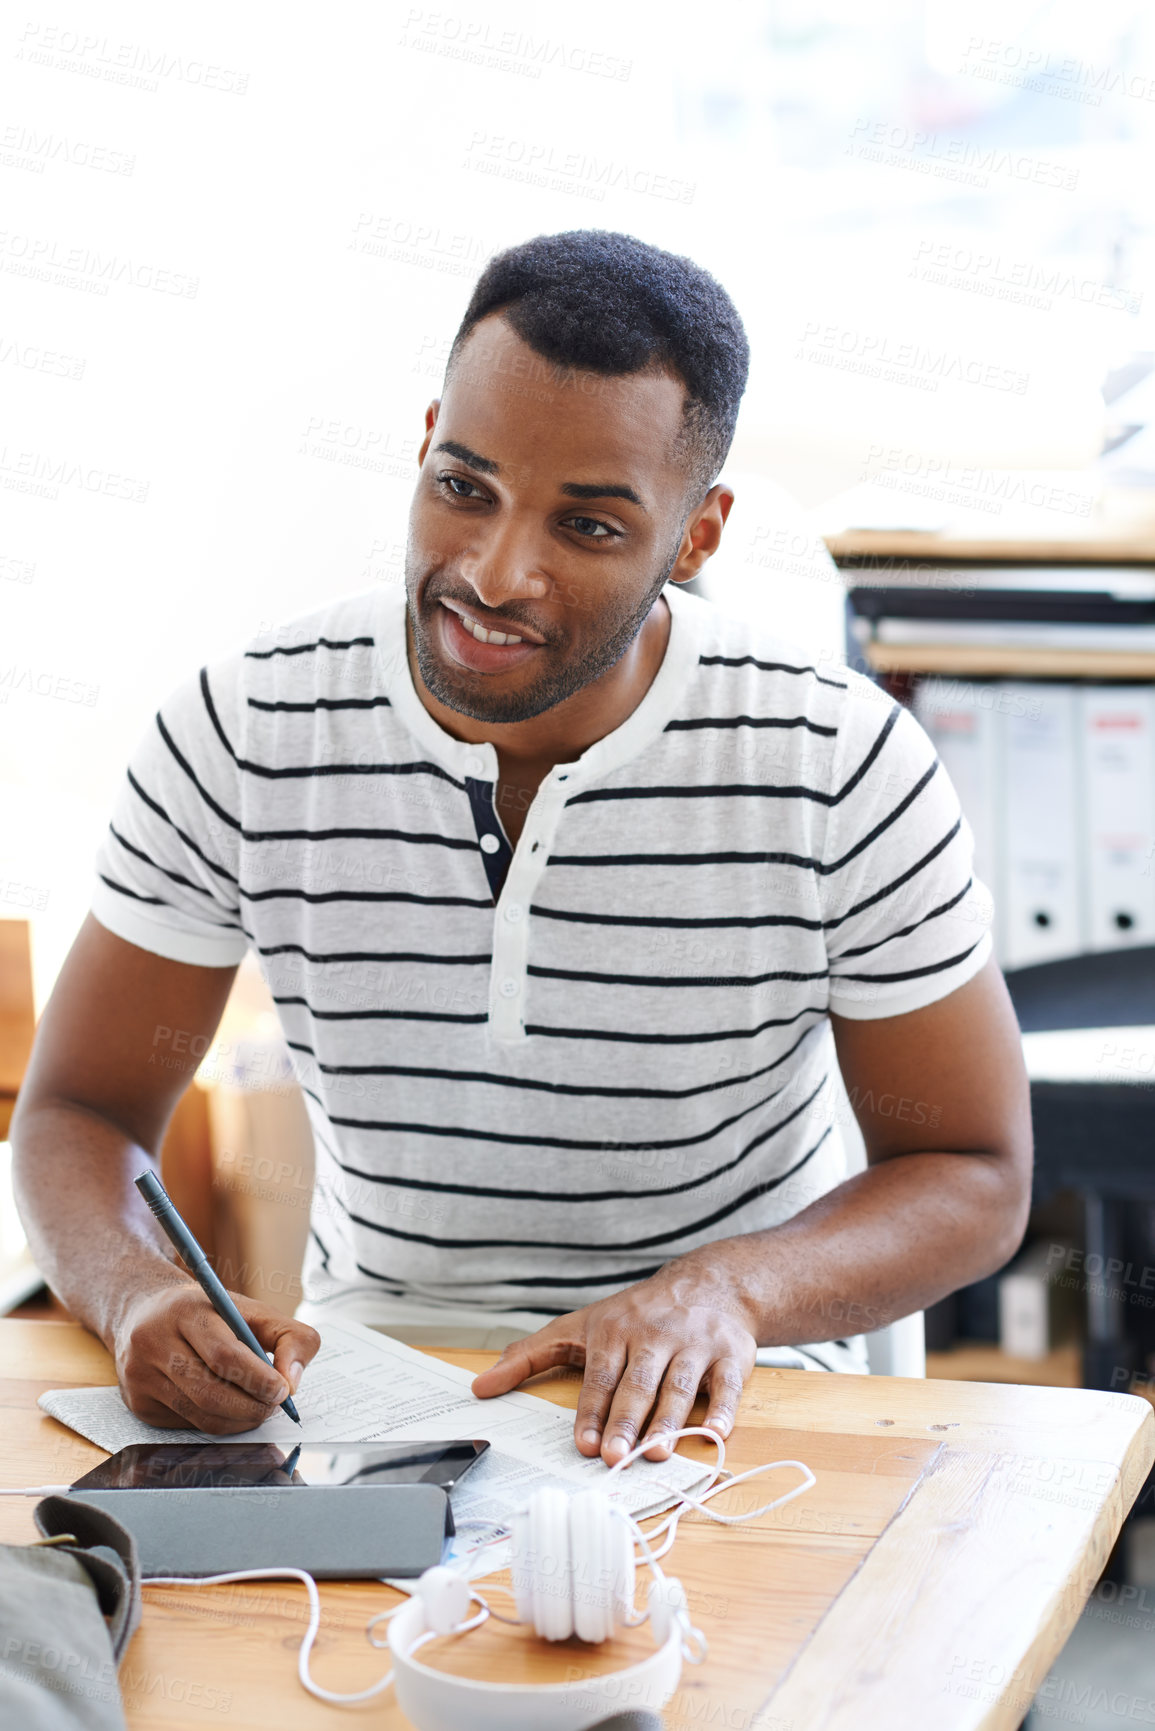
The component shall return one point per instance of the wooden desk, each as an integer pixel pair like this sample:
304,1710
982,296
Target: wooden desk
929,1578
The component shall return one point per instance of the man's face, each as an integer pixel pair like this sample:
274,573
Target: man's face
549,509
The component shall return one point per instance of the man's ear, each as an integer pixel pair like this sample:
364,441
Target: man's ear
702,534
430,423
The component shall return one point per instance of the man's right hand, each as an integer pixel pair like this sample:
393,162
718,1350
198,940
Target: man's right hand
180,1367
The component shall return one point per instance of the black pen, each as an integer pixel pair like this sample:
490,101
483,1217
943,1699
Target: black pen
198,1266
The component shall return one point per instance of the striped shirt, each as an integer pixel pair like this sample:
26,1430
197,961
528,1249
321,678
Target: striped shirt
535,1076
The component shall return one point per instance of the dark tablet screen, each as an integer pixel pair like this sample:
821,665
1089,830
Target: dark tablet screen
188,1466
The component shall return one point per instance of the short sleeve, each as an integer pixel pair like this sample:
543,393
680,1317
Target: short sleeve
167,870
906,921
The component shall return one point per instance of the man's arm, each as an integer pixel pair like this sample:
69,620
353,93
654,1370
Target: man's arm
942,1098
91,1115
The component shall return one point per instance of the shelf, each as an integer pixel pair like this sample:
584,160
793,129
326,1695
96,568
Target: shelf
979,661
975,1361
1135,549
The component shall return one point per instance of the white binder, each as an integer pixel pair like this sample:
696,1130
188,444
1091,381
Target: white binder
961,718
1117,736
1040,914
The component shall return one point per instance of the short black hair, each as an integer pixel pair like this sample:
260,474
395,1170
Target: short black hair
612,304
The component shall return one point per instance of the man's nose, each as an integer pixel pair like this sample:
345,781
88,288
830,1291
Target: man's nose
504,563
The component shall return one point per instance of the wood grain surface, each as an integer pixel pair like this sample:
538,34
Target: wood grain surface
929,1578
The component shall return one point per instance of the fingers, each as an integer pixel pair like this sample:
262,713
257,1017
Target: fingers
544,1350
725,1380
180,1364
605,1363
293,1344
183,1394
631,1405
678,1393
229,1359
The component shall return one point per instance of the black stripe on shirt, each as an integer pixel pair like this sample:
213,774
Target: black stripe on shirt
369,896
174,877
316,703
373,956
182,760
495,1193
885,823
308,648
897,883
626,1277
768,667
916,973
673,923
534,1085
598,979
188,840
746,790
729,857
465,1133
351,833
674,1039
316,1236
122,890
655,1238
823,868
934,914
305,770
751,721
381,1015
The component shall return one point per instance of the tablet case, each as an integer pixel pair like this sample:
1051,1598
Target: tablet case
335,1532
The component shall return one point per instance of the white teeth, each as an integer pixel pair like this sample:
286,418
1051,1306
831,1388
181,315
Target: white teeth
484,636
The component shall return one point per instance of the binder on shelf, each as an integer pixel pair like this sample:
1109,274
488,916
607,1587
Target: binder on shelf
1117,749
1038,1304
962,720
1039,812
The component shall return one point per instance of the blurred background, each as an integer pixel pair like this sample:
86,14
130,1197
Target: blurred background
234,247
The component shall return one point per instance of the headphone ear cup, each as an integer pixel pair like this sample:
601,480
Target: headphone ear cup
549,1565
624,1569
520,1570
602,1549
572,1564
590,1537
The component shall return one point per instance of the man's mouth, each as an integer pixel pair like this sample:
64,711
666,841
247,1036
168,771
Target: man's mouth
478,630
476,646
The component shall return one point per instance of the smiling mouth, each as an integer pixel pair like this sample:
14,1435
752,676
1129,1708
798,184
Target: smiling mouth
477,630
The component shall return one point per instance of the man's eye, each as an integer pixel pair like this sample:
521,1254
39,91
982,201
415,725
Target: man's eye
592,528
460,487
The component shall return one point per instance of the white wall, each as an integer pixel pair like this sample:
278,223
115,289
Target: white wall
235,241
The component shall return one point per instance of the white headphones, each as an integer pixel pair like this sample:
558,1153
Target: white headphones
573,1574
573,1568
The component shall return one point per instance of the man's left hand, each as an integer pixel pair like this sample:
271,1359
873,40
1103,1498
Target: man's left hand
645,1353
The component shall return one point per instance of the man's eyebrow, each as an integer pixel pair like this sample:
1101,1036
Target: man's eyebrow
483,465
600,490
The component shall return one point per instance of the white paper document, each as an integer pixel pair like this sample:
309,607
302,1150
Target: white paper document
366,1387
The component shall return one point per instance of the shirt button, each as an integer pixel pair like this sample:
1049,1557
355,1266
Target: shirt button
475,766
509,988
489,844
514,911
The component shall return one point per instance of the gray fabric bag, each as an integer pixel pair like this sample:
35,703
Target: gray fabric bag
58,1653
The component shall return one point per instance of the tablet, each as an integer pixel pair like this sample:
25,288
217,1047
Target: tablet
342,1511
195,1466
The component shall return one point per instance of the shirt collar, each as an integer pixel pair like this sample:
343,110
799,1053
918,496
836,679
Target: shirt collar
640,729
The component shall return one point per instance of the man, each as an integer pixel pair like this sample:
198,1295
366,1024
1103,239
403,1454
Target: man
571,893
